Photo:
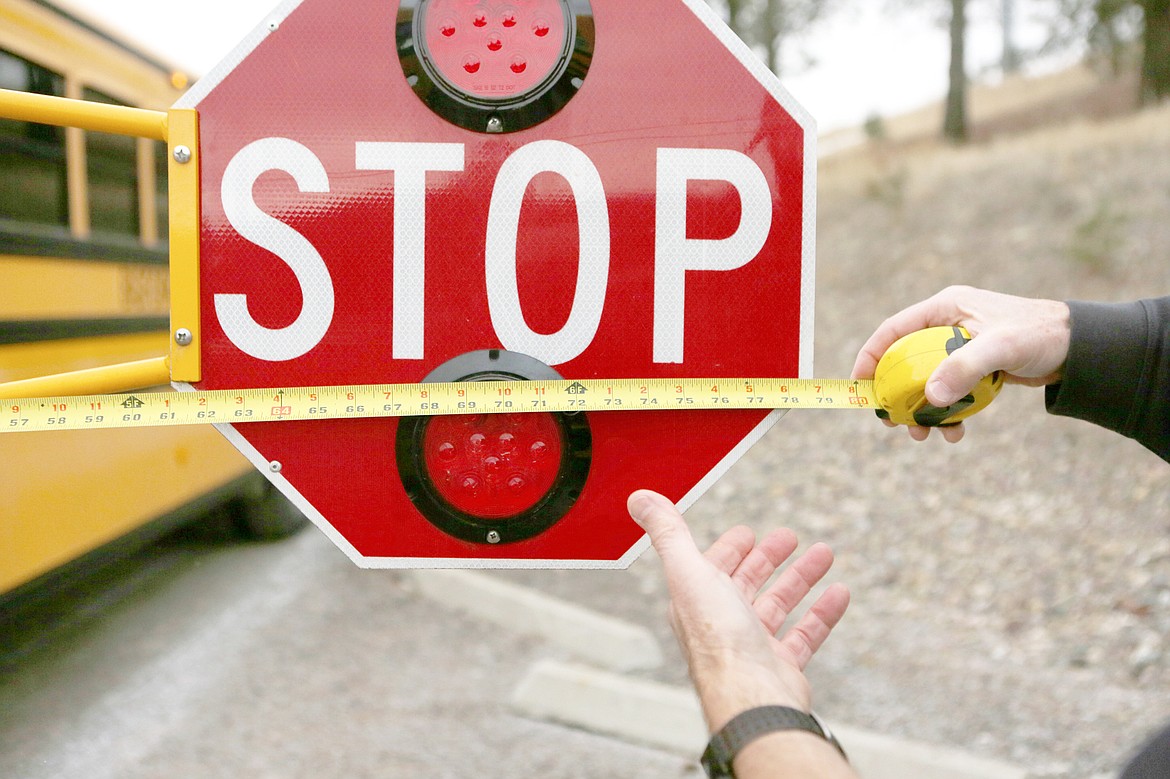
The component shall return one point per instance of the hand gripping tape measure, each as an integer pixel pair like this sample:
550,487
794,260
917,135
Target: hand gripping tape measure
896,393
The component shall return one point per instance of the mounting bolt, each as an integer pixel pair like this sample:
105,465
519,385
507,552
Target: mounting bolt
182,154
273,25
493,537
183,337
275,466
495,125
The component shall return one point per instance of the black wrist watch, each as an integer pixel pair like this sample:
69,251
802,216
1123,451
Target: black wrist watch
750,725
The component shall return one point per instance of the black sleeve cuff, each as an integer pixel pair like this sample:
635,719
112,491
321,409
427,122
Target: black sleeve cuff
1118,370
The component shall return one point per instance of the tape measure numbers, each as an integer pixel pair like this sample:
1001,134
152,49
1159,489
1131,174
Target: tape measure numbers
896,391
154,409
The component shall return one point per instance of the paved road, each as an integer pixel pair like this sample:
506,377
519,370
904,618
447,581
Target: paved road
200,659
197,659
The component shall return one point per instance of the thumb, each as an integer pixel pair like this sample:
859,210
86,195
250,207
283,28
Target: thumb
957,375
661,520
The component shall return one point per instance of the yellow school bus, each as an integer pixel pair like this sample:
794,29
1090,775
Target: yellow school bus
84,283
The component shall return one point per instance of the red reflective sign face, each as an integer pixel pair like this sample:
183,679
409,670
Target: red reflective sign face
494,50
654,227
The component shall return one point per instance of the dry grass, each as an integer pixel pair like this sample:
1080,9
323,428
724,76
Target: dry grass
878,166
1016,103
1012,593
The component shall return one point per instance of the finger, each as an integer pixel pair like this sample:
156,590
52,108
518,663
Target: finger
668,531
953,433
809,633
918,433
957,375
939,309
775,604
730,549
763,560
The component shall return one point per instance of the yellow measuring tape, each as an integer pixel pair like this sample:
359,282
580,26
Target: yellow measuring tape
896,392
153,409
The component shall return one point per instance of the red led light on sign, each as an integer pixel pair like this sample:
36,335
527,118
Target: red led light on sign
495,66
493,466
515,48
493,478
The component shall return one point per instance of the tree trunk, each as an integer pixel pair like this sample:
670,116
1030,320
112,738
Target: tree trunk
1103,33
770,27
955,121
1010,58
1155,82
734,9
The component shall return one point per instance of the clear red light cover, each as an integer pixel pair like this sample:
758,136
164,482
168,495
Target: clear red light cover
494,478
495,66
495,51
493,466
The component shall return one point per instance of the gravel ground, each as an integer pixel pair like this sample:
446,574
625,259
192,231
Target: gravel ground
1012,592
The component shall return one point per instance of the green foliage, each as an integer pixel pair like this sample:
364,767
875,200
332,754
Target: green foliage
875,127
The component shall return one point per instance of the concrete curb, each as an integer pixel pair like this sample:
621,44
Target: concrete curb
878,756
668,717
646,712
597,638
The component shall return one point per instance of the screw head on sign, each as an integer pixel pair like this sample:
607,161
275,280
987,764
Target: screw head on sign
182,154
183,337
493,537
275,466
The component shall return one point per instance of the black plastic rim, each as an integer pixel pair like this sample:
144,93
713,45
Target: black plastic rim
576,456
504,116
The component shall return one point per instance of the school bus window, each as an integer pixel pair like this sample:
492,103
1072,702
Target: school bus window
112,170
34,188
160,189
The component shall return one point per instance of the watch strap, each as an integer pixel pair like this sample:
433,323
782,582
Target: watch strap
749,725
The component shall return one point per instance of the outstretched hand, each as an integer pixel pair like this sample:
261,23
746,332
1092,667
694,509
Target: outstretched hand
726,620
1025,338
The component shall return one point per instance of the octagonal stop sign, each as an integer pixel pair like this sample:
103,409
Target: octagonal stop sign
468,190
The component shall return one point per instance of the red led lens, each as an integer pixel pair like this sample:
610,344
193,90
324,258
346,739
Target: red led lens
497,36
493,466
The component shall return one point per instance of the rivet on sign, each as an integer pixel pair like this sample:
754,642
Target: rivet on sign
275,466
182,155
494,125
183,337
273,26
493,537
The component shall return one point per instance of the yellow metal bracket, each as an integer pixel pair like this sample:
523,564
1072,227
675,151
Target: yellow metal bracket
100,117
183,179
106,379
179,129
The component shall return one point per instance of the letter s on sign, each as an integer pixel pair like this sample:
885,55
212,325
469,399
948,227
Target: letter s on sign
267,232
